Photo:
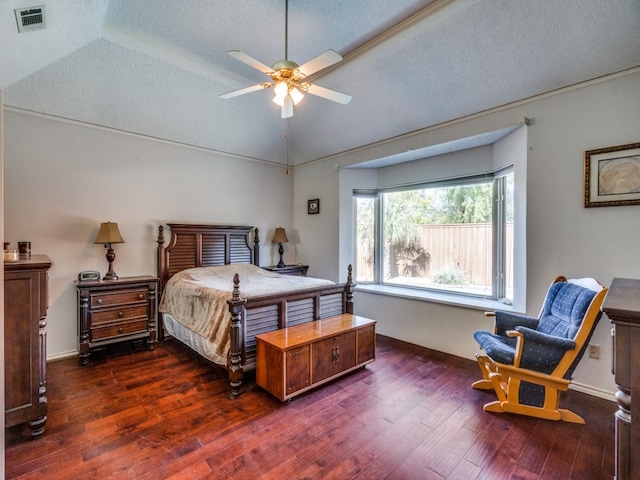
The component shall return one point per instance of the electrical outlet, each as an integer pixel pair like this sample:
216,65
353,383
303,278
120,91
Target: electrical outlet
594,351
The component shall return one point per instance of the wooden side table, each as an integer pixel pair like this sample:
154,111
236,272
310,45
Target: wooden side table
111,311
298,269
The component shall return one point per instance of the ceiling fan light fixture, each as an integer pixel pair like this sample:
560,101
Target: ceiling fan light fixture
287,108
296,95
281,91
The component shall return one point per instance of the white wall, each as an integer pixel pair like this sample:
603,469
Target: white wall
63,179
562,237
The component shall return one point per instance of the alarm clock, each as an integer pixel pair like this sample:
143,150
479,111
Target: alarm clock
89,275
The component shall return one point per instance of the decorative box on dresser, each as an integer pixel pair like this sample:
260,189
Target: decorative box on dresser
622,306
298,270
112,311
25,346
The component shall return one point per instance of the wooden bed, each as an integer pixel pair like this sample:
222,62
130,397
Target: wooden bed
214,245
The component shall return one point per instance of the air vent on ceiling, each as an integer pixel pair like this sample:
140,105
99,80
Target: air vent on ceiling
31,18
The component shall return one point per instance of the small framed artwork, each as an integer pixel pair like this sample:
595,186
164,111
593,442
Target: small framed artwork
313,206
612,176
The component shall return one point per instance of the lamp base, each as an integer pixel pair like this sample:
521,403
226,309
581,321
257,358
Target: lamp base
281,263
111,256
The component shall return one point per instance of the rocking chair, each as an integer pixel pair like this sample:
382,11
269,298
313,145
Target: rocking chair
528,360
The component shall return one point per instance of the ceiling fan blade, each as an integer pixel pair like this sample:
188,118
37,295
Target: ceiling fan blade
323,60
332,95
252,62
242,91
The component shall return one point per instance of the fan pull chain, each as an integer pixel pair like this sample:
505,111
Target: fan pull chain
286,136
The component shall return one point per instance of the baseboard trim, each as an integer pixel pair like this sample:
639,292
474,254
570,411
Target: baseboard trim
62,355
593,391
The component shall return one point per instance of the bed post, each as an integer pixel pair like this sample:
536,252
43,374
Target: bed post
161,266
256,248
236,306
160,269
349,287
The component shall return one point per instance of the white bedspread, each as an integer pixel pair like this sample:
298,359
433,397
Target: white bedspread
197,297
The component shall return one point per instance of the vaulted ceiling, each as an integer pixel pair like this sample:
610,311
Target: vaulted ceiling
157,67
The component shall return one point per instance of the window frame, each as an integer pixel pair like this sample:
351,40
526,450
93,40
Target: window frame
499,227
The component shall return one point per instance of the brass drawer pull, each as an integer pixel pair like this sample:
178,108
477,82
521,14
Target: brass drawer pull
120,330
121,314
99,302
141,296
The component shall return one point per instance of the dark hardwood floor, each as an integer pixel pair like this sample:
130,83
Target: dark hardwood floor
412,414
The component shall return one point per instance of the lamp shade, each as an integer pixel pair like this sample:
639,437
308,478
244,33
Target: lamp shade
280,236
109,233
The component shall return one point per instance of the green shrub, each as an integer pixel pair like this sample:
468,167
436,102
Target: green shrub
452,276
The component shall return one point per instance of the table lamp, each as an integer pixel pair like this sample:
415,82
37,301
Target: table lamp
280,237
107,235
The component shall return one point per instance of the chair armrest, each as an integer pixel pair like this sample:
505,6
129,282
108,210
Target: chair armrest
541,352
506,321
545,339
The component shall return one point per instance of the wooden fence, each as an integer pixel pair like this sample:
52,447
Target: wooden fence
464,247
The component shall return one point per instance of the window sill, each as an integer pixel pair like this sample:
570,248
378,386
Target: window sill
475,303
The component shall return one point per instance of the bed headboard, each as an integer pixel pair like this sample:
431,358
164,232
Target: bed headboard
205,246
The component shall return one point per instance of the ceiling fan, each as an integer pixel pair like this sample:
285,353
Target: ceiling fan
288,78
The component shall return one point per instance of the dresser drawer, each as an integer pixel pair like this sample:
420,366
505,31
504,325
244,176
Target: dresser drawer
115,330
118,314
119,297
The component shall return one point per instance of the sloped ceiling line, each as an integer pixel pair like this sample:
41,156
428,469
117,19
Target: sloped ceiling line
167,53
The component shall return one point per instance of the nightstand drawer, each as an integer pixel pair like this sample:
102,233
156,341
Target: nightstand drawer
110,331
119,297
118,314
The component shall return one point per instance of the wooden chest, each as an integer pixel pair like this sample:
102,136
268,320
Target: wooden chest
295,359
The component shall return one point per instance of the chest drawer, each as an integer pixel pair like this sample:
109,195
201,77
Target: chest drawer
119,297
333,355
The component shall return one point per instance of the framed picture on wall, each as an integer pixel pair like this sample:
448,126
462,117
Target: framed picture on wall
612,176
313,206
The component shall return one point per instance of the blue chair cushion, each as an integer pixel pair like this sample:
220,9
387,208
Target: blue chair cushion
499,348
564,309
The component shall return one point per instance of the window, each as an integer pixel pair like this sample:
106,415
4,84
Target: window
454,236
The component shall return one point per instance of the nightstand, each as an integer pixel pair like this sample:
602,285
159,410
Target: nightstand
299,270
111,311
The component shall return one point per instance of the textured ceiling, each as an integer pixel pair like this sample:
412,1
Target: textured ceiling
157,67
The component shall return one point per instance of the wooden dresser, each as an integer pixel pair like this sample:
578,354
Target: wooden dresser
25,342
622,306
293,360
111,311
